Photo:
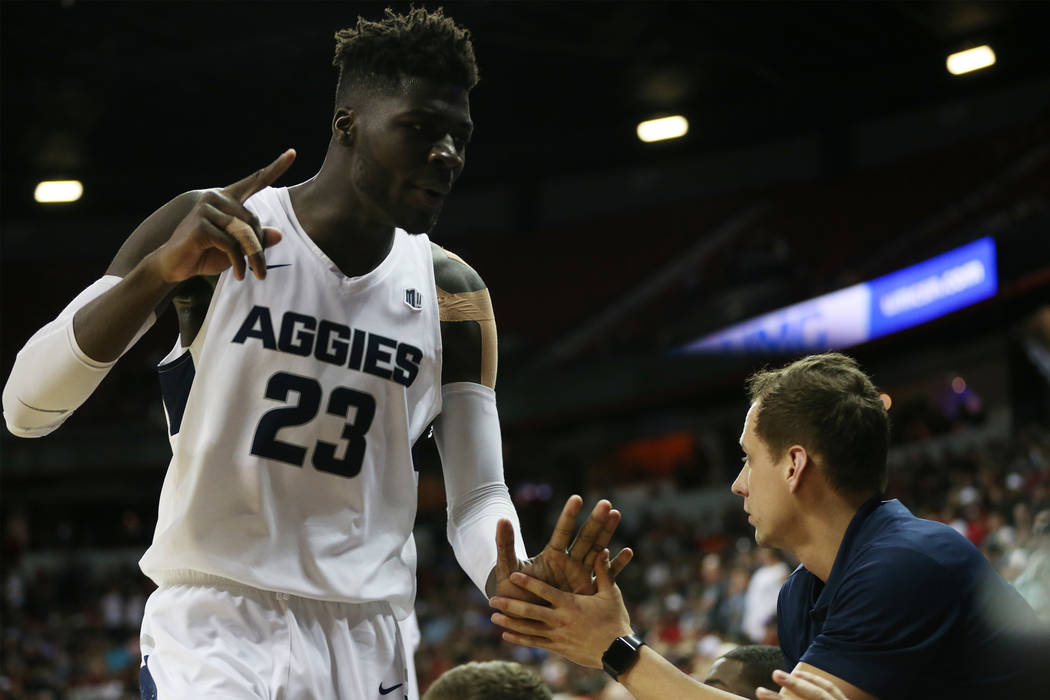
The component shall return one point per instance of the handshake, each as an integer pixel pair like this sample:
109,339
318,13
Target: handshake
565,600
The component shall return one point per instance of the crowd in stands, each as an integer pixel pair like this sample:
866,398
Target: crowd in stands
70,622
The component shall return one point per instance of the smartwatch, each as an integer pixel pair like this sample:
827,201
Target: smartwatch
621,655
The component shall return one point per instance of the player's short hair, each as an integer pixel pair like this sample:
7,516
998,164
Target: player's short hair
757,663
827,404
488,680
420,43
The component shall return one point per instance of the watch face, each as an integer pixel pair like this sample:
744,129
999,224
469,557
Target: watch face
621,655
620,652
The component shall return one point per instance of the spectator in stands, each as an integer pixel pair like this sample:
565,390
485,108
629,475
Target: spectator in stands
761,602
488,680
735,607
885,604
713,593
744,669
1034,582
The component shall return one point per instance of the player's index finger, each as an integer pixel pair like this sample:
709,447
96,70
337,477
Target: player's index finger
246,187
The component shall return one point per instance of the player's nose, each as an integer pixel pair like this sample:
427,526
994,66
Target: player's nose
445,153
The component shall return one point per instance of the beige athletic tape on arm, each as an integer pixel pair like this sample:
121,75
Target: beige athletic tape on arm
474,306
455,257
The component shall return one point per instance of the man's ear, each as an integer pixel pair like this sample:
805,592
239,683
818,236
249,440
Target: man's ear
344,124
797,466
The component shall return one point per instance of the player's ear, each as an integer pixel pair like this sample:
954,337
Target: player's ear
796,467
343,126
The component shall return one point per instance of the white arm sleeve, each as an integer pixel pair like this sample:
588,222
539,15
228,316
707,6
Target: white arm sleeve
468,440
52,376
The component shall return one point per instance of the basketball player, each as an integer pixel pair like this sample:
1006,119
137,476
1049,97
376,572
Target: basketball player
283,550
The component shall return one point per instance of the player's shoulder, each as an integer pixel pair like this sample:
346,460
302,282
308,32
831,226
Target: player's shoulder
452,273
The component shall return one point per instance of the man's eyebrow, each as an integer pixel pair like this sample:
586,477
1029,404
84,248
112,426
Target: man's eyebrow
434,114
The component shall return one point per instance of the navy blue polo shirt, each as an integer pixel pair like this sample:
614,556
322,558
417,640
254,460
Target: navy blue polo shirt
911,609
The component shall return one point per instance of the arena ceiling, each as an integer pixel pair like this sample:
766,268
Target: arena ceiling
143,100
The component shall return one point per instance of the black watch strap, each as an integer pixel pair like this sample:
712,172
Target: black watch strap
621,655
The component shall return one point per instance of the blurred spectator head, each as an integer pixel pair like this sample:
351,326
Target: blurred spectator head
488,680
826,404
1041,525
745,669
711,568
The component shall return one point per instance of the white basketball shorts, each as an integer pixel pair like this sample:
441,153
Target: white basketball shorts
213,638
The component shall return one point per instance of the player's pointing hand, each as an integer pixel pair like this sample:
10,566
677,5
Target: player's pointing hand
219,231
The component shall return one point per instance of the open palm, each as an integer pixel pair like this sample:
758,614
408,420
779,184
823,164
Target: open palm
568,567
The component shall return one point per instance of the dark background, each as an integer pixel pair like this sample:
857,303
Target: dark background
828,144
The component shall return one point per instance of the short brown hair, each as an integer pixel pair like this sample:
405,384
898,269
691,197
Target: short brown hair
827,404
488,680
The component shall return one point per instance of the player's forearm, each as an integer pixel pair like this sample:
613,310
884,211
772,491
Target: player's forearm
53,374
473,519
106,326
655,678
467,435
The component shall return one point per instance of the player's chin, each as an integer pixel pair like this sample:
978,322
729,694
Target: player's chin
420,220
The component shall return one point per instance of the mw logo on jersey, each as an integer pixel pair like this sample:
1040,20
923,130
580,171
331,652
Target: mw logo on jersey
334,343
414,299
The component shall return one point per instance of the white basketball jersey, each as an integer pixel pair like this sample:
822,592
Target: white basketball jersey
292,417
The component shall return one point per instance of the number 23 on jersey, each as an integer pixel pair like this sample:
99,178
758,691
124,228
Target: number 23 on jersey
308,400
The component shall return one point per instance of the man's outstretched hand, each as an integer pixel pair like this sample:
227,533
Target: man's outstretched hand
579,627
565,566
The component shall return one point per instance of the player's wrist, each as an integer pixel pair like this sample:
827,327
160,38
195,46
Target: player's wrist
155,271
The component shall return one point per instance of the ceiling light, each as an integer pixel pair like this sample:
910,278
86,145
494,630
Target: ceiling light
970,60
55,191
663,128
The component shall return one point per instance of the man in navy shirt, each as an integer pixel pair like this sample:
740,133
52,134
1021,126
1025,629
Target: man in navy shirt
885,605
910,609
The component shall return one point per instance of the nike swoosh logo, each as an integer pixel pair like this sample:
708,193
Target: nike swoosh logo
387,691
270,267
